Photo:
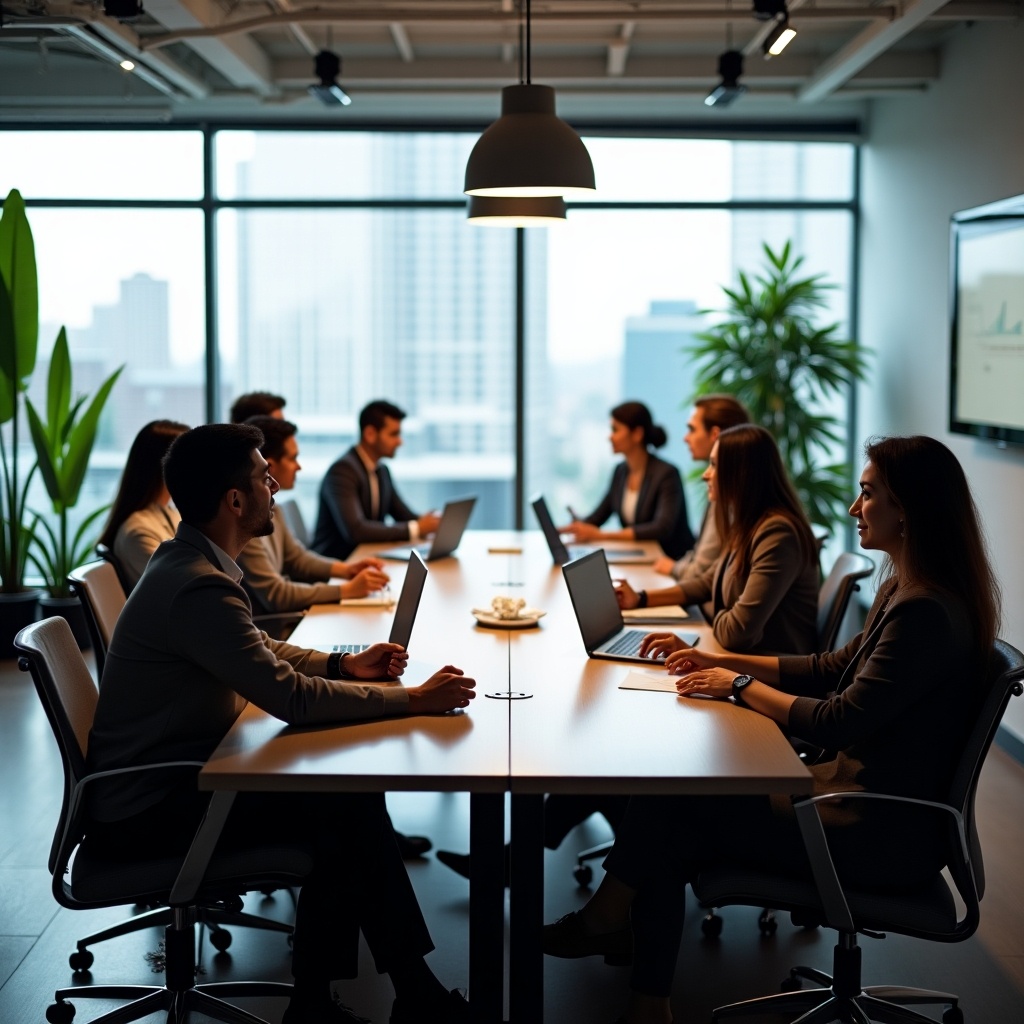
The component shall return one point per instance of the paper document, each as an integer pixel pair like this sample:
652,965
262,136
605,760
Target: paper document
378,599
666,614
649,681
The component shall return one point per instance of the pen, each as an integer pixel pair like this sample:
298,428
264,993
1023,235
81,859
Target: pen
572,514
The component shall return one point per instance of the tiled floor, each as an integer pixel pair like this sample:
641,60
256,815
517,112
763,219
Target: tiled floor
36,936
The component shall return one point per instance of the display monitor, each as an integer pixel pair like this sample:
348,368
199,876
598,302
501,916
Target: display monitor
986,393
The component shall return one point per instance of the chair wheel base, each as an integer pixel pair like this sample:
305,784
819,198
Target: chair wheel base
220,939
953,1015
711,926
767,924
584,875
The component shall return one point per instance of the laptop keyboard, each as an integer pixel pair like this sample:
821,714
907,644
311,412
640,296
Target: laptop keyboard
628,643
349,648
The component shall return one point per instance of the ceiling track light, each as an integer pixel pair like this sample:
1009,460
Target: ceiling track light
529,151
516,211
123,10
769,10
327,67
778,39
728,90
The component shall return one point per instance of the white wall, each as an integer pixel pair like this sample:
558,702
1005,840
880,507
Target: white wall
961,144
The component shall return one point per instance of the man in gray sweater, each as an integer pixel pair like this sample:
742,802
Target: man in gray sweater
278,572
184,659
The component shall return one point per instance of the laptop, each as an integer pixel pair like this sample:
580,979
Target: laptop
405,612
453,523
562,554
597,612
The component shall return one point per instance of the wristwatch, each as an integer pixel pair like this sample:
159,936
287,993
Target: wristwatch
739,684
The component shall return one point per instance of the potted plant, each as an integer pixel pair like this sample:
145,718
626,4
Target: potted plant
63,444
770,353
19,335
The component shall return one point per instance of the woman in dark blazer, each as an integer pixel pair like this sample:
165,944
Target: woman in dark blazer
761,593
895,706
646,492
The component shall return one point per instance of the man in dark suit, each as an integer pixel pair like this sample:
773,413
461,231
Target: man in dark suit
184,659
357,496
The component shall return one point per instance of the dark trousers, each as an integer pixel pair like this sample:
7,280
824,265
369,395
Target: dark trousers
564,811
358,882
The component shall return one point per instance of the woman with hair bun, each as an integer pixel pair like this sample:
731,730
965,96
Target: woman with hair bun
646,492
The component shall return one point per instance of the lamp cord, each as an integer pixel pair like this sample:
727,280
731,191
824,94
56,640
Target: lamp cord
528,42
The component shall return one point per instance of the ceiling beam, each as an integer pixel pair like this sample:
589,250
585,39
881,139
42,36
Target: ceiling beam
238,58
869,44
401,40
618,51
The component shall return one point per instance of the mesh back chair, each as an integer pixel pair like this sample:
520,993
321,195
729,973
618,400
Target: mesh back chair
98,587
835,594
929,912
204,883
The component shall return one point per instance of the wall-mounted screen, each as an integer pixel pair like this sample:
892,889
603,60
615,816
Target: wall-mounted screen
987,323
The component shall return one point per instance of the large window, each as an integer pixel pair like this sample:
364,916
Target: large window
342,268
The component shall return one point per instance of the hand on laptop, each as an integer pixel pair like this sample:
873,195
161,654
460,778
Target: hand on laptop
353,569
443,691
662,645
583,532
664,565
428,523
628,598
379,661
366,581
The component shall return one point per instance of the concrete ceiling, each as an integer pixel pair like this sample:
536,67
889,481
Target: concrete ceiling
428,61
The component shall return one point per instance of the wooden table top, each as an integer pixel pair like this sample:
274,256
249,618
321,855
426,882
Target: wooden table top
578,731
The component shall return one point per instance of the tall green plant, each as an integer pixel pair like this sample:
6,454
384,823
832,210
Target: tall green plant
769,352
19,337
63,444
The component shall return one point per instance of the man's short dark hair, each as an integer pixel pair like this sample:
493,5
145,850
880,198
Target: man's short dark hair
374,414
255,403
275,433
204,463
722,411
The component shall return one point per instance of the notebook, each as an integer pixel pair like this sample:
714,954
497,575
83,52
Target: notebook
405,613
597,612
562,554
449,533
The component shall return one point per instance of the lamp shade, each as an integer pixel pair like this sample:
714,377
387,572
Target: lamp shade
529,151
516,211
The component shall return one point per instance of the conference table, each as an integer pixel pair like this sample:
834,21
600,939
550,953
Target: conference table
546,719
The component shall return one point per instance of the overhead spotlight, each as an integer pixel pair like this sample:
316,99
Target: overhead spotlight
778,39
123,10
730,67
768,10
327,67
127,65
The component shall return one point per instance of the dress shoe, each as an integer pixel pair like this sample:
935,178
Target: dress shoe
460,862
452,1010
411,847
321,1011
570,939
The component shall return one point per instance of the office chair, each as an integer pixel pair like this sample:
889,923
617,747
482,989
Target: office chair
102,598
289,508
927,913
833,601
203,881
108,555
99,588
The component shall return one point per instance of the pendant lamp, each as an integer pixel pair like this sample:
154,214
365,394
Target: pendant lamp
516,211
529,151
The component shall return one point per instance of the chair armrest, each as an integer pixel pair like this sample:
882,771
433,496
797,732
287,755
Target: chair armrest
833,900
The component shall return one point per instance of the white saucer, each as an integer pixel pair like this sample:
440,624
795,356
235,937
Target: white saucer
528,618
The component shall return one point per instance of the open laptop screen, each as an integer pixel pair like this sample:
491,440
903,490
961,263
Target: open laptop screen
593,598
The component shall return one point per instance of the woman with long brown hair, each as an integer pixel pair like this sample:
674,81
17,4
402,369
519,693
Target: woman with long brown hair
895,705
761,594
142,516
